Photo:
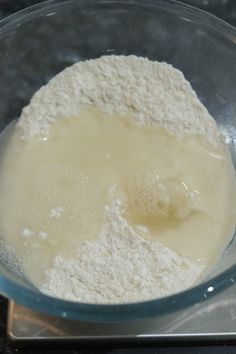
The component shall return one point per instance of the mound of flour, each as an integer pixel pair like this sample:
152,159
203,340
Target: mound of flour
120,265
149,92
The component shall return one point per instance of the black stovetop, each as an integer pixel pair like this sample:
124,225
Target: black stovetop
225,9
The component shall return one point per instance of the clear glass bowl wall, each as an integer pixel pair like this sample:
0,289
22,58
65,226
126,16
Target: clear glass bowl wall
38,42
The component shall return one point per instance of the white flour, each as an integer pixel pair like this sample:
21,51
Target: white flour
120,265
150,92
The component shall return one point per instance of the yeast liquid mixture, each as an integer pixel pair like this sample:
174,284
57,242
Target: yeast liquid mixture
54,188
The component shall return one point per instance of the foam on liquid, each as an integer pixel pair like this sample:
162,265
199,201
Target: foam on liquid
54,188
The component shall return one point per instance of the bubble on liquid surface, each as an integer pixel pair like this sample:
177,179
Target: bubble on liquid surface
149,196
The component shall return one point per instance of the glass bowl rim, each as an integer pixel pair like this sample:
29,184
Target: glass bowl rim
129,311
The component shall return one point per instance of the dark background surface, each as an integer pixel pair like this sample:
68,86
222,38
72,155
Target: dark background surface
225,9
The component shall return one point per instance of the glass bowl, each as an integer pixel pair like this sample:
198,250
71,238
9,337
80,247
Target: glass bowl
37,43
